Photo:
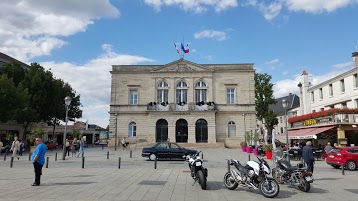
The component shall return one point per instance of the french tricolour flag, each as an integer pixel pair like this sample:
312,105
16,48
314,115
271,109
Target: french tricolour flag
185,50
176,48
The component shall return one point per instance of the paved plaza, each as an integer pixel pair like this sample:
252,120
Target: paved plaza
101,179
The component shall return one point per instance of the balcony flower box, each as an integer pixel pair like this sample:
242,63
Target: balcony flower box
323,113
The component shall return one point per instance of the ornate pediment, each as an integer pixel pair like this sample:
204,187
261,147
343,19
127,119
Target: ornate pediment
181,65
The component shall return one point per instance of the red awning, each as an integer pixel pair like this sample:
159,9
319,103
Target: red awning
307,133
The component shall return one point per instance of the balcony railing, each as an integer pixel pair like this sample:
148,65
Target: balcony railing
181,107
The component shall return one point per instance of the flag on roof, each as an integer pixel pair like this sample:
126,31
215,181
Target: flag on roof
176,48
185,50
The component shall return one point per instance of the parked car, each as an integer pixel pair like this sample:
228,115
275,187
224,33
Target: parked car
347,156
6,148
51,144
165,150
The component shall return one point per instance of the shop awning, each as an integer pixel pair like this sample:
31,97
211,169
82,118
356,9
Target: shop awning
307,133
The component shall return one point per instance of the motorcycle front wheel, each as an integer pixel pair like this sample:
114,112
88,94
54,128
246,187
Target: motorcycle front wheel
201,178
230,182
269,188
304,185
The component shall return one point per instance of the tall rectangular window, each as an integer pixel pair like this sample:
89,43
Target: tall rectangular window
320,94
162,95
343,89
230,94
330,90
182,95
355,80
312,96
133,97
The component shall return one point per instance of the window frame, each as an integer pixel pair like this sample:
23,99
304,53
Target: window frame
330,86
343,88
181,92
201,91
132,129
230,100
134,101
162,92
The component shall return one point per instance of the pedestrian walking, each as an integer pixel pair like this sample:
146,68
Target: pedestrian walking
21,147
308,157
38,159
68,147
1,145
328,147
15,147
74,147
82,145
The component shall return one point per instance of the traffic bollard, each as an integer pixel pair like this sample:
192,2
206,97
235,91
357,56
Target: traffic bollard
12,161
83,162
228,165
249,157
56,156
202,155
342,169
107,154
155,163
5,155
119,163
47,158
29,156
130,154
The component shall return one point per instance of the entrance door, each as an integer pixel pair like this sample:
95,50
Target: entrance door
201,131
162,130
232,129
181,131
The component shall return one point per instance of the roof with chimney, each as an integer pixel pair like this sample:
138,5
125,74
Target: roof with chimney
293,102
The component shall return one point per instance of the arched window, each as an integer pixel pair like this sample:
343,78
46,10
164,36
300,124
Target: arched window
200,92
182,92
132,129
231,129
162,92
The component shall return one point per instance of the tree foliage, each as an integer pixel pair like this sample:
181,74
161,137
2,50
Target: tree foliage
36,95
263,99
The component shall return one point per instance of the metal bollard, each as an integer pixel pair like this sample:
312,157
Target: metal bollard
119,163
56,156
249,157
202,155
83,154
228,165
107,154
12,161
83,162
130,154
5,155
47,158
102,146
342,169
29,156
155,163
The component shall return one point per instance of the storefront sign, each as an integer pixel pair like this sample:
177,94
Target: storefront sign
310,122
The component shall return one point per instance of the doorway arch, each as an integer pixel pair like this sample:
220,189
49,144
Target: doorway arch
161,130
181,131
201,131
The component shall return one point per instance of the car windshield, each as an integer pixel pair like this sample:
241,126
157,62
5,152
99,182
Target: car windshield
335,150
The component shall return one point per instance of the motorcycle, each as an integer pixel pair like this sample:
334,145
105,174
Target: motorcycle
252,175
198,172
285,173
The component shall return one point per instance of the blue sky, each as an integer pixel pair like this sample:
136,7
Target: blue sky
80,40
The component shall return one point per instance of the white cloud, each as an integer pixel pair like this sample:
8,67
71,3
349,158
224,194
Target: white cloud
94,85
217,35
344,65
273,61
33,28
318,6
198,6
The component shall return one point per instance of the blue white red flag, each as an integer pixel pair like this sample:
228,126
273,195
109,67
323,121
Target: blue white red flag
176,48
185,50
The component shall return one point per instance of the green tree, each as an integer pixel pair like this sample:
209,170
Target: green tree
263,99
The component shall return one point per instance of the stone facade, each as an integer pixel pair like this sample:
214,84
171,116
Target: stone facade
136,100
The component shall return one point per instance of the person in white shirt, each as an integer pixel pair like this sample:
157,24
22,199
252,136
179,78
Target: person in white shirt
15,147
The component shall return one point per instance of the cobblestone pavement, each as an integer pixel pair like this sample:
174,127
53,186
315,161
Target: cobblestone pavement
137,179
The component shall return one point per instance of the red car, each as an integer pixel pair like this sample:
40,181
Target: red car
347,156
51,144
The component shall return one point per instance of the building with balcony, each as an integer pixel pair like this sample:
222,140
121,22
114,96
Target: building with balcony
328,111
183,101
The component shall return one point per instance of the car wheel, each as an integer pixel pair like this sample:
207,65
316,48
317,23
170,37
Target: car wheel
152,157
351,165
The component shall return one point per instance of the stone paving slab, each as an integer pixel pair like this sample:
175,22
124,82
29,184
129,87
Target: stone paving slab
138,180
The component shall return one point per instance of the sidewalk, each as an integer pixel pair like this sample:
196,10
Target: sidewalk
138,180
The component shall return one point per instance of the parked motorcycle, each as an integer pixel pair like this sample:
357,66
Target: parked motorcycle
198,172
285,173
252,175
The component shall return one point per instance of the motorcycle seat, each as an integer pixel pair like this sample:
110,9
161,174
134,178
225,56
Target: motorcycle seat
240,168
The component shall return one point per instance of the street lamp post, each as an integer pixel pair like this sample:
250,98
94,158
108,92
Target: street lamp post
285,106
244,126
115,140
67,104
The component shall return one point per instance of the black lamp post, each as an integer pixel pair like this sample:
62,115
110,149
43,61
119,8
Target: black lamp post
67,104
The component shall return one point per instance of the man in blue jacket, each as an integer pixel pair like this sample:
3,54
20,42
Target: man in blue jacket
308,157
38,159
